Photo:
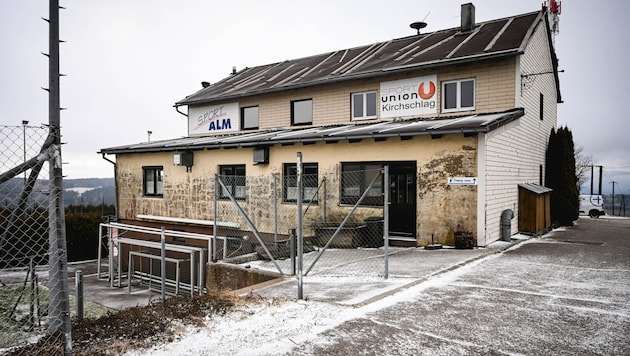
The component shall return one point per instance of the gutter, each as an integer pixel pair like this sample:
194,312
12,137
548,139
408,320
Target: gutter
115,181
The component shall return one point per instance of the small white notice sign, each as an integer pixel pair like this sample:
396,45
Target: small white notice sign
462,181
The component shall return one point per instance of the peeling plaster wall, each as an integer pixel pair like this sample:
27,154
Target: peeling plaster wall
440,208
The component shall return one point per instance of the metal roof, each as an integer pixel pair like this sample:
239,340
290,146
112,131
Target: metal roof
491,39
535,188
467,125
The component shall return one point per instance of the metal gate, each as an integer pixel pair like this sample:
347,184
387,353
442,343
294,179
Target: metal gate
333,223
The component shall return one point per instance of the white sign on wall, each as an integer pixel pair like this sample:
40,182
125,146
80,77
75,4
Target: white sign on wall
462,181
215,119
408,97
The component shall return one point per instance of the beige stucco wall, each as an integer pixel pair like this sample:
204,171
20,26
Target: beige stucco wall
440,207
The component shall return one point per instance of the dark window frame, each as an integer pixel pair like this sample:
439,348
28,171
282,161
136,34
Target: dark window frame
310,182
542,106
234,177
244,110
299,122
153,187
359,184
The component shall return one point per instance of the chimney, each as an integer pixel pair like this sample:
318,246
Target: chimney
468,17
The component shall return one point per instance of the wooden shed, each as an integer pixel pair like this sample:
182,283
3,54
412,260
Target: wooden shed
534,211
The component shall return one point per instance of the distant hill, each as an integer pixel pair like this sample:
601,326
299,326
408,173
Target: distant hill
84,191
89,191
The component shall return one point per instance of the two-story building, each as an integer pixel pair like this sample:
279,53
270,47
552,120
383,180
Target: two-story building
461,117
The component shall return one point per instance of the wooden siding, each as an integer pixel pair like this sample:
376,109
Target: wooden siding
515,152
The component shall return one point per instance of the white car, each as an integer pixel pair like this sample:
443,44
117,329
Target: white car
592,205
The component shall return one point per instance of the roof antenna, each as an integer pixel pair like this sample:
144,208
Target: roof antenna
420,24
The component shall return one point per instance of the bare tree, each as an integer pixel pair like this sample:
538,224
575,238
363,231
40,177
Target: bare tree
583,163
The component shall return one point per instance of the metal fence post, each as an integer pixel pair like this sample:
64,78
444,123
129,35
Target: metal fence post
31,315
275,209
163,265
386,217
300,236
214,222
325,194
78,276
292,233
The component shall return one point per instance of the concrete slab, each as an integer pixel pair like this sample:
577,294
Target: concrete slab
407,267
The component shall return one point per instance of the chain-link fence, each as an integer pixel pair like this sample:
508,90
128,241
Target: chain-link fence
34,302
342,221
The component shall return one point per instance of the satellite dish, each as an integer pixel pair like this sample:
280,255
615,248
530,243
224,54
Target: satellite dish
418,25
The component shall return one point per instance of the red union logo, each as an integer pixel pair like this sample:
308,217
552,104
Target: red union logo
423,94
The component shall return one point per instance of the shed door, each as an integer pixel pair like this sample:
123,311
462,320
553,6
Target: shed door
402,206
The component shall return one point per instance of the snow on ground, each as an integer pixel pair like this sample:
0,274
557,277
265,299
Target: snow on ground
274,326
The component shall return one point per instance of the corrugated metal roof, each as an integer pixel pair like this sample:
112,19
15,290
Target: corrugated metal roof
466,125
535,188
491,39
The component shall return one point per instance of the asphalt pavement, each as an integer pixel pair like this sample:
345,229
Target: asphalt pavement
567,293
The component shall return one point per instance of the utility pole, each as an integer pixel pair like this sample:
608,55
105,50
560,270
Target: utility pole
58,307
613,196
600,179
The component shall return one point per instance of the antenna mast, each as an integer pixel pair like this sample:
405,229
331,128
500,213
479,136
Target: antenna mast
555,9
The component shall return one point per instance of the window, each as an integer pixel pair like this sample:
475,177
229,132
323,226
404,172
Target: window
356,178
302,112
249,118
458,95
364,105
542,106
153,181
233,177
309,183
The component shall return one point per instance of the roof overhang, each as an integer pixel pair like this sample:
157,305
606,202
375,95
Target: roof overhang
435,127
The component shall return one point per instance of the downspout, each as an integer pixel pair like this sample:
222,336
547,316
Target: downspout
115,181
482,238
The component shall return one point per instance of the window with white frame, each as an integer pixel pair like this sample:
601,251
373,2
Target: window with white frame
153,181
458,95
364,105
249,118
302,112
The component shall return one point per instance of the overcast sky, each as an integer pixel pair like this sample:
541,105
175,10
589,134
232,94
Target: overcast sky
127,62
